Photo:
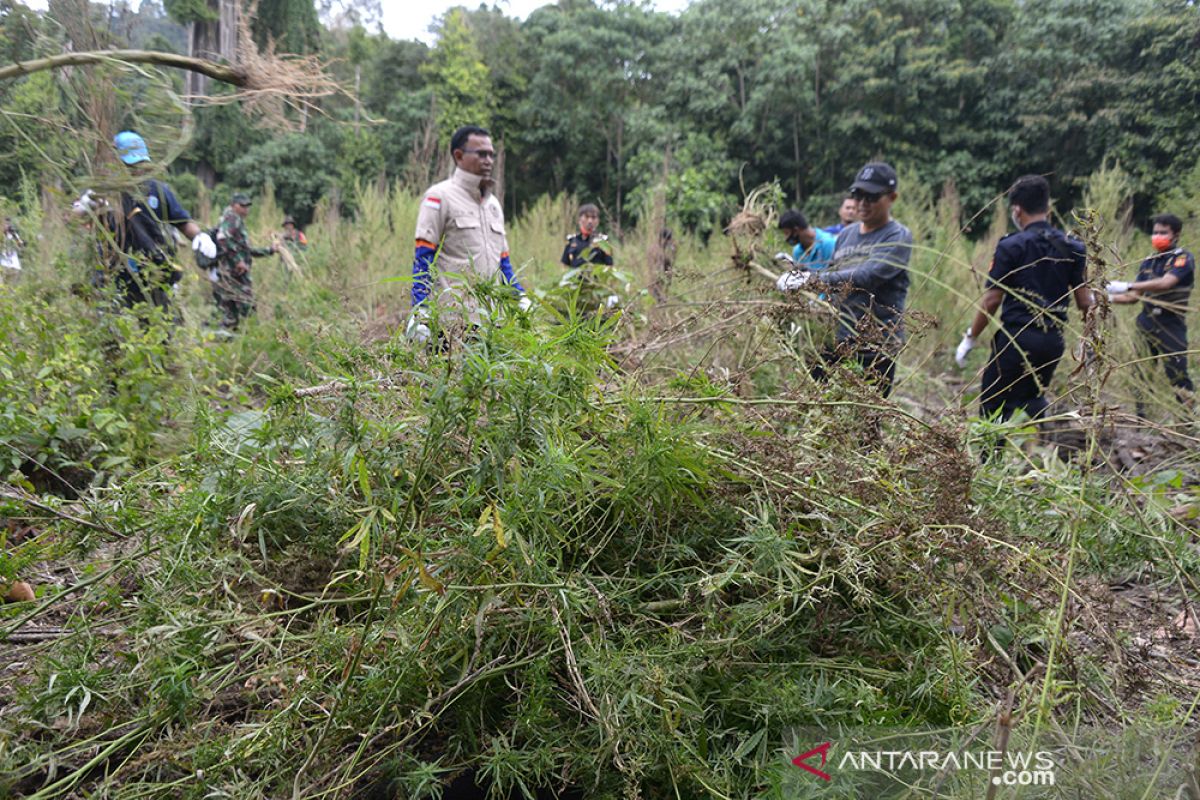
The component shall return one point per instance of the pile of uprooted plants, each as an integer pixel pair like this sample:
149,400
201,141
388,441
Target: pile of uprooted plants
514,570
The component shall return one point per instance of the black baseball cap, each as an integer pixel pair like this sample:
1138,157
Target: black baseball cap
877,177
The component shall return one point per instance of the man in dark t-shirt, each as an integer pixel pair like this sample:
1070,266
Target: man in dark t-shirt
1034,275
1164,284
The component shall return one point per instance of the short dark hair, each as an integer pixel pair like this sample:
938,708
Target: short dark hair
1170,220
1031,193
459,140
793,219
588,208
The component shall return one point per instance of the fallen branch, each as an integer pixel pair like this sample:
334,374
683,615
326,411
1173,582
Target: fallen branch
266,82
762,271
39,635
333,387
22,497
221,72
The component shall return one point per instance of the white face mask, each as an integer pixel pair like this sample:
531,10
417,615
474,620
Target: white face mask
1016,221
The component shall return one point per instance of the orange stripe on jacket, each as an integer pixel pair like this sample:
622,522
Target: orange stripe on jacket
423,243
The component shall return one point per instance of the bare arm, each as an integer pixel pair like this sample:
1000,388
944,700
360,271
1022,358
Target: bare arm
1168,281
190,229
991,301
1084,299
1138,288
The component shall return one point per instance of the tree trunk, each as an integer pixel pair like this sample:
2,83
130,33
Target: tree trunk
498,173
796,150
213,41
357,95
620,168
206,174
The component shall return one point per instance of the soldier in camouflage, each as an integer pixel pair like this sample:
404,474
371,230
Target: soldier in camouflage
233,290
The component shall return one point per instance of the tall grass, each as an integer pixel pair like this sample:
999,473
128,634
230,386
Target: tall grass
356,270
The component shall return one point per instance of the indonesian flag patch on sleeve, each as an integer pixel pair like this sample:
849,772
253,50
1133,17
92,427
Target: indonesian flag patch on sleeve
432,202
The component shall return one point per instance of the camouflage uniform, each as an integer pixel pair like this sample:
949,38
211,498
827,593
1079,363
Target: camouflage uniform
294,238
233,290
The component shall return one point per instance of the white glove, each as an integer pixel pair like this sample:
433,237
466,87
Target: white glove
611,301
214,276
1117,287
86,202
204,245
965,346
417,330
791,281
784,257
524,303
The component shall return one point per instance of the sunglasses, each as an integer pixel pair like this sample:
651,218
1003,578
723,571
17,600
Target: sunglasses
484,154
870,197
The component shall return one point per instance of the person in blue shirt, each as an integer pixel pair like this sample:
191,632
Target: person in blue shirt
812,247
847,213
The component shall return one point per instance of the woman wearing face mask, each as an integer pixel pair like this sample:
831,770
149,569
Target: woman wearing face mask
1163,284
587,246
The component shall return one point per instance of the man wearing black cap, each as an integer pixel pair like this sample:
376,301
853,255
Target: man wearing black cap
867,280
1034,275
232,290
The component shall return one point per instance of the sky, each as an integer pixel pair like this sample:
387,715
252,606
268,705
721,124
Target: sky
410,19
403,20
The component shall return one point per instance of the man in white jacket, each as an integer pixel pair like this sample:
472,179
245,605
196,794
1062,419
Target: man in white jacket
460,238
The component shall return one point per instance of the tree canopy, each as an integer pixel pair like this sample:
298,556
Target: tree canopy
612,101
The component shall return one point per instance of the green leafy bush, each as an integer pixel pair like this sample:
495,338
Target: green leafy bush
82,394
300,167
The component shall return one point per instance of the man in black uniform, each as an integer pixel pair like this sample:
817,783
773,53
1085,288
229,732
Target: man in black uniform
1167,278
1034,274
584,247
141,247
